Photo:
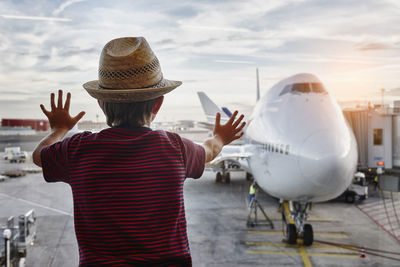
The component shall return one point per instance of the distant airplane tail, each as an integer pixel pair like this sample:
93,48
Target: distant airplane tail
227,111
211,109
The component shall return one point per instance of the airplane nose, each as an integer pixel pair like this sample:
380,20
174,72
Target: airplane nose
324,162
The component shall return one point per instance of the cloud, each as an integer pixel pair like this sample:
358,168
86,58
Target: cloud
234,61
377,46
65,5
211,28
393,92
3,92
68,68
183,11
74,51
35,18
208,42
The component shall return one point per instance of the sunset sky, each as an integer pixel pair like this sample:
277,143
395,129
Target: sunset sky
353,46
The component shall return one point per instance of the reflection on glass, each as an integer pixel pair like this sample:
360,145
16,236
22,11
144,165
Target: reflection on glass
286,89
378,137
301,88
318,88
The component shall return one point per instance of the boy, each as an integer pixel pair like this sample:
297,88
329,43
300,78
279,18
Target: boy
127,180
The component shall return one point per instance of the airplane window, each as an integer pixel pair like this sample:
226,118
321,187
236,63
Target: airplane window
287,150
318,88
301,88
286,89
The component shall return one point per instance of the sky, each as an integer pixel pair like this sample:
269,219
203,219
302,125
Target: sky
214,46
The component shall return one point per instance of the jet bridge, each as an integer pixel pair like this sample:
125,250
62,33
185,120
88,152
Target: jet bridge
377,131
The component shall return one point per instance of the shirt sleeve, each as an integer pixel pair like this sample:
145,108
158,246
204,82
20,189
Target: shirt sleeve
55,162
195,157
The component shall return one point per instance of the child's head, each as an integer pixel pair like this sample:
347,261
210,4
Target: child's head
131,85
130,115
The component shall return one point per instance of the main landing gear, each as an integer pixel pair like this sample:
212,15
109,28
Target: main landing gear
223,174
223,177
294,215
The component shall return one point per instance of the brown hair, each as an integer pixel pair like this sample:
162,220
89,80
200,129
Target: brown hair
127,115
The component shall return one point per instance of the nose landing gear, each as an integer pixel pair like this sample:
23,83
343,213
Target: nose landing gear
294,216
308,235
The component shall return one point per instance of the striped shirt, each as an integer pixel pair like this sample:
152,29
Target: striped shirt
127,187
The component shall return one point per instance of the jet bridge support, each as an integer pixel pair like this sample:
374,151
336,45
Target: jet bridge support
252,218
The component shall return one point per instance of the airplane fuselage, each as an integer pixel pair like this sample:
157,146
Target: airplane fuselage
299,144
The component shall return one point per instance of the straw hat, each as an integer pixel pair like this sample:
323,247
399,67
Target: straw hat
129,72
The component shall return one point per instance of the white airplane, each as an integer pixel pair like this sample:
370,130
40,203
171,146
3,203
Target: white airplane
298,147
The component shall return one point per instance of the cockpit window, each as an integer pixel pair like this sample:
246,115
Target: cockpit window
301,88
286,89
318,88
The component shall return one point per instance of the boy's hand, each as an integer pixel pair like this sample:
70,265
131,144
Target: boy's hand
223,135
59,117
230,131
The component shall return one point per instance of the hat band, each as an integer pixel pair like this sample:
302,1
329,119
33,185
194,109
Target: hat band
152,67
161,83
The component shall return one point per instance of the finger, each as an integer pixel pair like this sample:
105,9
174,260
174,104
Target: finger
67,102
238,136
241,127
59,104
79,116
45,111
218,120
238,121
52,103
232,117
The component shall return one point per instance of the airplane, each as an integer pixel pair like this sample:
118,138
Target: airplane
298,147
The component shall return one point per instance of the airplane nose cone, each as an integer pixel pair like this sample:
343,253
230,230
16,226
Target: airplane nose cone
326,161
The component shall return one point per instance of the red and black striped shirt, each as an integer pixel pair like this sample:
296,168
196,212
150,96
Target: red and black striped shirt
127,187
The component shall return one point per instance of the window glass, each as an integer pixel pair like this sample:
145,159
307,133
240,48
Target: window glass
301,88
318,88
287,150
378,137
286,89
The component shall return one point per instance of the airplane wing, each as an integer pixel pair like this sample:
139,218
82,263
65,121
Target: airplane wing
206,125
232,157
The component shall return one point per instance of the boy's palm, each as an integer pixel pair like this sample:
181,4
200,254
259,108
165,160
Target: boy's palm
229,131
59,117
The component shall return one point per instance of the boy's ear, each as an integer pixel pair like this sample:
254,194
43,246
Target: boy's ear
157,105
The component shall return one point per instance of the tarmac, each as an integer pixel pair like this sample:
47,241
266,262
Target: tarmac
216,215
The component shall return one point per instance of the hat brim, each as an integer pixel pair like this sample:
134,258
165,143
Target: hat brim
129,95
